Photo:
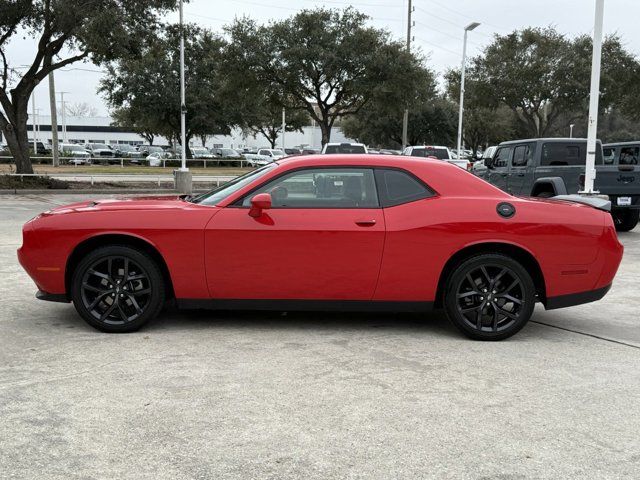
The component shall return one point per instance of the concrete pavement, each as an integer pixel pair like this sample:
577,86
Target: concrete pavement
199,395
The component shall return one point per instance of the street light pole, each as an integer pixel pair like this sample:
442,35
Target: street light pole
284,125
33,123
183,179
64,117
594,94
467,29
405,116
54,120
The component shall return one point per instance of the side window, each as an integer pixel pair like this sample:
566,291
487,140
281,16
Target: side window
629,155
609,155
567,154
522,155
502,156
397,187
321,188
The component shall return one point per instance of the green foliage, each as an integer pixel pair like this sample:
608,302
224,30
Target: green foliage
64,32
144,91
328,62
542,76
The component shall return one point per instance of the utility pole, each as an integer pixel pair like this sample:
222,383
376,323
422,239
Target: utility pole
33,123
63,109
405,118
54,120
590,172
284,125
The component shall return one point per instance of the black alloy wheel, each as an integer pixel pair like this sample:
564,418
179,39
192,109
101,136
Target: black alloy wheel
490,297
625,220
117,288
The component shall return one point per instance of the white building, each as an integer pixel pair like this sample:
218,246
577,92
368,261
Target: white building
100,130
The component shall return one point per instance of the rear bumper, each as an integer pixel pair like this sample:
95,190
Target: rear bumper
52,297
579,298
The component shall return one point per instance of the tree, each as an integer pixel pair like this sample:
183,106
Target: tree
266,120
144,91
541,76
485,122
81,109
327,62
379,123
64,31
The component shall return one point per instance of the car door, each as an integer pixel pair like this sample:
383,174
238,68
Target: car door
498,174
519,168
322,239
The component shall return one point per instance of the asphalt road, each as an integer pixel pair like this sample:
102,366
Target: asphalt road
207,395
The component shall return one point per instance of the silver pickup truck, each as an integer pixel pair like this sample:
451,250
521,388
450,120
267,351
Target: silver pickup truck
546,167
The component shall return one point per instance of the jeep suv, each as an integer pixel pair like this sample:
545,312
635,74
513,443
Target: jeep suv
546,167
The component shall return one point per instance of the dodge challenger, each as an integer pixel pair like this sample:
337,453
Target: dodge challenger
330,232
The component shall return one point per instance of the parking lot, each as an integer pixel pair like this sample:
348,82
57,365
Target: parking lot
314,395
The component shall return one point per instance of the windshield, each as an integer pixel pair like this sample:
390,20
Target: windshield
345,148
228,152
199,149
216,195
73,148
439,153
155,149
99,145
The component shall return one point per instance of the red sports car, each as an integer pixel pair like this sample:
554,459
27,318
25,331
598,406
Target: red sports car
352,232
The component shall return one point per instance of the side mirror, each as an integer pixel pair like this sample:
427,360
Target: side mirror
488,162
260,202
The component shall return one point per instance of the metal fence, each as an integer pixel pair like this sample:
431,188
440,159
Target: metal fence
124,178
139,162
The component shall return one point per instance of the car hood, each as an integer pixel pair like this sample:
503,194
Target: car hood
159,202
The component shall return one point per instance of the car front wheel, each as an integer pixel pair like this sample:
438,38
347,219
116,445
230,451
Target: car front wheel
117,288
489,297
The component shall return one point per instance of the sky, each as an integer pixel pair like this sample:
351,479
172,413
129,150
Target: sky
438,29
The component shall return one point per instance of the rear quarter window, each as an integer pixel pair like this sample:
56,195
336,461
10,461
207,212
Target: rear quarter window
396,187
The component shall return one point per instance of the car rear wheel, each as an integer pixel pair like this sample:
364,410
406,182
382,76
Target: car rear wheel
625,220
489,297
117,289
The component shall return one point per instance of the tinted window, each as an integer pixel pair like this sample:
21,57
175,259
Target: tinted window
322,188
345,148
397,187
629,155
439,153
502,157
567,154
522,155
609,155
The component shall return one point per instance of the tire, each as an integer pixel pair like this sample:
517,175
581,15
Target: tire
501,314
625,220
109,302
545,195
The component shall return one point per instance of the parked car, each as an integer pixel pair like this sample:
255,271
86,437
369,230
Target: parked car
155,159
310,151
74,154
201,153
292,151
479,168
255,160
124,150
438,152
100,151
226,153
546,167
331,235
344,148
41,148
274,153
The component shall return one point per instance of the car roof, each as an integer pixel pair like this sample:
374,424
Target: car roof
345,143
427,146
621,144
546,140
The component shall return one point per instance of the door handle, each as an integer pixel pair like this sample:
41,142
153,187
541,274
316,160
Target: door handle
365,223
